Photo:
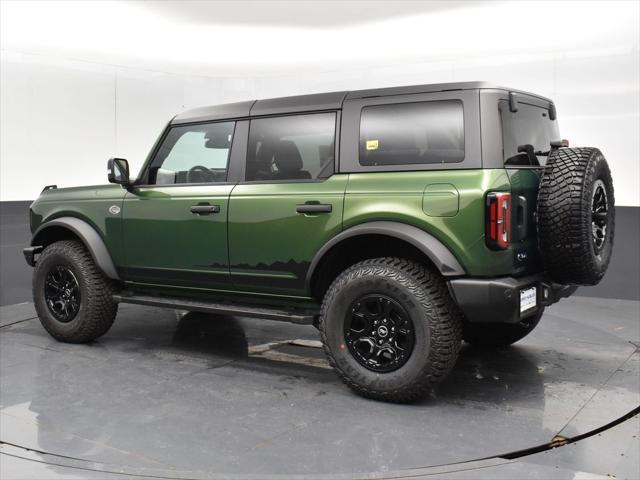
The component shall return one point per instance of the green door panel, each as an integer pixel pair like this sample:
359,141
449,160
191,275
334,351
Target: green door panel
400,196
271,245
166,244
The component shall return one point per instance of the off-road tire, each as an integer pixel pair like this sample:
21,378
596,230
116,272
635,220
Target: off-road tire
493,335
97,309
436,319
565,201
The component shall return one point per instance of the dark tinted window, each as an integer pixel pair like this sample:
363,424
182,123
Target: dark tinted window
193,154
297,147
529,125
412,133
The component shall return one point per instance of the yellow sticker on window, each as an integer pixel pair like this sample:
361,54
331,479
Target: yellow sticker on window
372,144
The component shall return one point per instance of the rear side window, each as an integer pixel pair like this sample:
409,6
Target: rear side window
531,129
295,147
412,133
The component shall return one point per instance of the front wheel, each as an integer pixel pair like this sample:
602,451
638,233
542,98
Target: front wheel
491,335
73,298
390,329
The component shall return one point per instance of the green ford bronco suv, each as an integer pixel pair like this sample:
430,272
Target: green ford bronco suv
398,221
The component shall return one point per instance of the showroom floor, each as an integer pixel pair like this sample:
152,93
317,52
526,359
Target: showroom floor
169,395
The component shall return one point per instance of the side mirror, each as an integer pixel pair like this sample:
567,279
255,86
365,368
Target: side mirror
118,171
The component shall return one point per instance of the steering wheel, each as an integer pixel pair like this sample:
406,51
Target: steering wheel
200,174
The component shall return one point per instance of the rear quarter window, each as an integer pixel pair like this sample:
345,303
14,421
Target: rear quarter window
412,133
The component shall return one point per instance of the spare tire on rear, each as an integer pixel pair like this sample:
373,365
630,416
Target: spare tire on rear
576,215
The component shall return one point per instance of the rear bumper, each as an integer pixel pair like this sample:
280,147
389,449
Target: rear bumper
498,299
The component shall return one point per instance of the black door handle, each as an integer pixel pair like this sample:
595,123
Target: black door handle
314,208
205,209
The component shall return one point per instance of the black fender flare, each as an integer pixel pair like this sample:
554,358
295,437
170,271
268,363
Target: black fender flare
434,249
89,236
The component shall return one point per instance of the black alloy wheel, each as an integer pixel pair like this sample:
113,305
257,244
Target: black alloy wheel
599,211
62,293
379,333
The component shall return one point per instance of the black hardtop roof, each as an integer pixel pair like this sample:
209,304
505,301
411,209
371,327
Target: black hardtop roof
320,101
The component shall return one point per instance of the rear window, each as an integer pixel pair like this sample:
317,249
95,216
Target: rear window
412,133
530,125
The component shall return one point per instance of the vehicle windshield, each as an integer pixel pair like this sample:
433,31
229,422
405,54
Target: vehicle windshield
530,125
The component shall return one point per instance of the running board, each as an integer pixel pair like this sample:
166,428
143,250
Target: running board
302,317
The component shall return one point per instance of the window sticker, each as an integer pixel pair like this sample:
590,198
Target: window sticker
372,144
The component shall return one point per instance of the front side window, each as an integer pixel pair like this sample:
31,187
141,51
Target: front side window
412,133
193,154
525,132
296,147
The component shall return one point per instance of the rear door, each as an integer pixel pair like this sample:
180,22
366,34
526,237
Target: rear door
175,222
289,204
525,132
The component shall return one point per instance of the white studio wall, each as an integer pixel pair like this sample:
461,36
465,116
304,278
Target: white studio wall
61,119
63,112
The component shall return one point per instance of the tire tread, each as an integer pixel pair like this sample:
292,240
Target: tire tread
444,316
101,309
564,215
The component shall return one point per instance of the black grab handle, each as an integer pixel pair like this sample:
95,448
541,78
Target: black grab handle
314,208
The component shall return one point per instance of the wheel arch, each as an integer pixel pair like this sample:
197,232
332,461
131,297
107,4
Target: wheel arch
418,244
64,228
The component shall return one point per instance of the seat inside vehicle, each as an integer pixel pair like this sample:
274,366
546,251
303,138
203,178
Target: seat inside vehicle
260,168
288,161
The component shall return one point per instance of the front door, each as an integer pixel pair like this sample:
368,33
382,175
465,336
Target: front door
289,205
175,221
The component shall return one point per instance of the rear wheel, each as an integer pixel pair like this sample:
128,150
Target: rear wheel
487,335
390,329
73,298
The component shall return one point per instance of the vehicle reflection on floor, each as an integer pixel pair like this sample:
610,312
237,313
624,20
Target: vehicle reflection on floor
205,333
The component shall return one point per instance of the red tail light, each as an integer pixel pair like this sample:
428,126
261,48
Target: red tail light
498,220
